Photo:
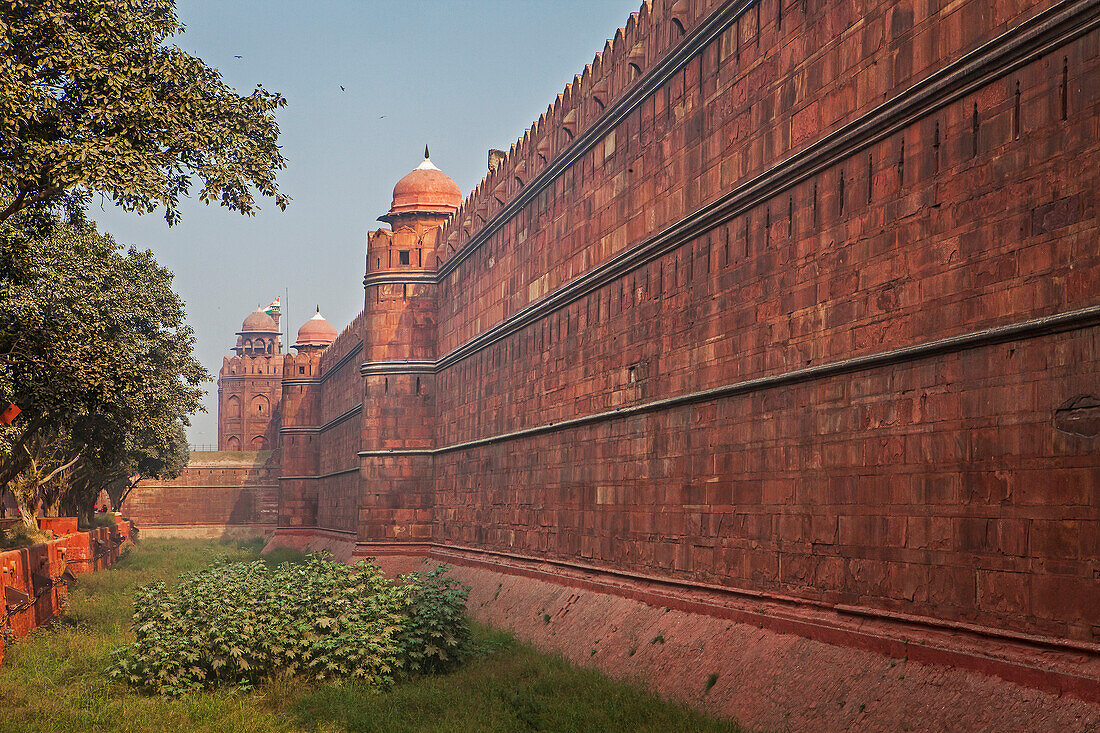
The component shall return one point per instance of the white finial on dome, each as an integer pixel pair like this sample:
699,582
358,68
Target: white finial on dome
317,316
426,164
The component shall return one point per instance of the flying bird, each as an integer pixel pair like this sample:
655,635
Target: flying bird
237,57
341,89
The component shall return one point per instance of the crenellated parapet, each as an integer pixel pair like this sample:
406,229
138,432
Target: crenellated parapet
350,339
409,247
634,49
240,366
301,366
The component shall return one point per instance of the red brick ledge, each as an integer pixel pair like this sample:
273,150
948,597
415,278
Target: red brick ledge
341,534
1057,666
206,530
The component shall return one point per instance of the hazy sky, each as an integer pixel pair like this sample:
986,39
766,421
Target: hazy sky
462,77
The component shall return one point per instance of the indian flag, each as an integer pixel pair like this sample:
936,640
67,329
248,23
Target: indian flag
273,307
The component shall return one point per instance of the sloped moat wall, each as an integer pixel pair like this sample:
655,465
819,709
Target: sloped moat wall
764,678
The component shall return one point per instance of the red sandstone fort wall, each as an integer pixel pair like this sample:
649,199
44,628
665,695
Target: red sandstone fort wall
320,434
937,481
794,299
722,119
219,494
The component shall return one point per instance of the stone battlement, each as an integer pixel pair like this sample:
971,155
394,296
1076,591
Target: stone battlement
628,55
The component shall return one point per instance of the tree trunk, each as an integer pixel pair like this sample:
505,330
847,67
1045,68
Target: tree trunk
52,508
25,491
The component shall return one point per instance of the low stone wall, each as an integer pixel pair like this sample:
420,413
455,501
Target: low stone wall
34,580
220,495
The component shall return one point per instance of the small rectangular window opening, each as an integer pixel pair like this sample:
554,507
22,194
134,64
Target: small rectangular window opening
403,257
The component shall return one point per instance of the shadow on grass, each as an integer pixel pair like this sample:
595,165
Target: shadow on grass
55,679
508,686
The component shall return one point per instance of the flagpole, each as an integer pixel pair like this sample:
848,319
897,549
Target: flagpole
286,318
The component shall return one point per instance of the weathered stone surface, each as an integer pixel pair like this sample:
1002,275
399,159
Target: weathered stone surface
801,303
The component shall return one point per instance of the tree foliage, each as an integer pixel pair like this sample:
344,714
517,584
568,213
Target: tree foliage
95,350
93,99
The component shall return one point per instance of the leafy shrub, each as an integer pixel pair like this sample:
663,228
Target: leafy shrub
435,635
242,623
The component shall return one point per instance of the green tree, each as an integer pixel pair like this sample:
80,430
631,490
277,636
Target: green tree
94,100
95,350
154,448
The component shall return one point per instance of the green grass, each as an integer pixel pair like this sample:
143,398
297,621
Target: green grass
19,536
53,681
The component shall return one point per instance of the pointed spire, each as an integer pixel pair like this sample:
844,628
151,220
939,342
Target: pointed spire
318,309
427,163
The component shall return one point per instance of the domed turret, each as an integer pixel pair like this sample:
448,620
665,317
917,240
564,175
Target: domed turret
426,190
316,333
259,335
258,322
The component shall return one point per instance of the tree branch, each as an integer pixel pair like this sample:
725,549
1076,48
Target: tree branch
15,206
22,201
133,483
14,466
59,469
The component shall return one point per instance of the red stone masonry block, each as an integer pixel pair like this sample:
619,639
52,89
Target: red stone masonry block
34,580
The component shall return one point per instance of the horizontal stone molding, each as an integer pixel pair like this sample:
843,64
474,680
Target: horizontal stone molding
1017,47
400,452
323,475
227,487
323,531
316,429
398,367
301,382
1031,328
204,525
397,277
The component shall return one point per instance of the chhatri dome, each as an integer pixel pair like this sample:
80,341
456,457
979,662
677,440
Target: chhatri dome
259,322
259,335
427,190
316,333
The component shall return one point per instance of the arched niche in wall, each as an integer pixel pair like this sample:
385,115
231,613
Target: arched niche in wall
233,443
260,406
257,443
233,406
